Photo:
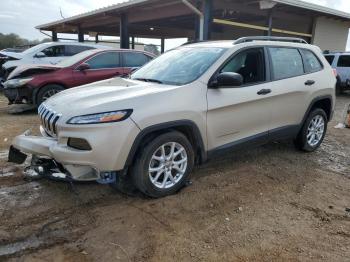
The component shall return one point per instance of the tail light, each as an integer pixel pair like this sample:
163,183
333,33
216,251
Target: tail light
335,72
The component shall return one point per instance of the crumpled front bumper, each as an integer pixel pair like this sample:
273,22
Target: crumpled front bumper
34,144
45,147
110,145
18,95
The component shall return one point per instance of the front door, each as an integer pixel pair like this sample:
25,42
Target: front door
53,55
240,114
102,66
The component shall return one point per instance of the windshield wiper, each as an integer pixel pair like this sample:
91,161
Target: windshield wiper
149,80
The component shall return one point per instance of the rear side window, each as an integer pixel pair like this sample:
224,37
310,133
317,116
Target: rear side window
286,62
74,49
104,61
135,59
311,62
330,59
344,61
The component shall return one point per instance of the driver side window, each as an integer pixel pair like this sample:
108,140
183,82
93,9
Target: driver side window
248,63
54,51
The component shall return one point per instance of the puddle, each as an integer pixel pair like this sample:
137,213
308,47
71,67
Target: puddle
32,242
7,174
4,154
21,196
46,236
8,171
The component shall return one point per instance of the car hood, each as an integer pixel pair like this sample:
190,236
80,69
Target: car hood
12,54
30,70
104,96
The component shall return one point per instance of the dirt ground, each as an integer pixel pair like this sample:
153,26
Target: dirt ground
272,203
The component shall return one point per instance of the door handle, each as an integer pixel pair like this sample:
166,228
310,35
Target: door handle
264,92
310,82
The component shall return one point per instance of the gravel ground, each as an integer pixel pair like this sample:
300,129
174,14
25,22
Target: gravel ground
272,203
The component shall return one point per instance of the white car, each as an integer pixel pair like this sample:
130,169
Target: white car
183,108
45,53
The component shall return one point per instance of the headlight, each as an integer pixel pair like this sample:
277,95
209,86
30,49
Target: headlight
13,83
100,118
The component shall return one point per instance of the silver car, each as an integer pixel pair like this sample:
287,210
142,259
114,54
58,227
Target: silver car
340,62
182,108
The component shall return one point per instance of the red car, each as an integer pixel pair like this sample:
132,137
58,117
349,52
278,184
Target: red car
33,84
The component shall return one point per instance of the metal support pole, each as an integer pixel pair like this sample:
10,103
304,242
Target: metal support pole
124,32
208,19
199,36
270,21
54,36
133,42
162,45
80,35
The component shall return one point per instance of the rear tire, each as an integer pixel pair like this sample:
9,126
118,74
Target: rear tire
162,166
46,92
313,131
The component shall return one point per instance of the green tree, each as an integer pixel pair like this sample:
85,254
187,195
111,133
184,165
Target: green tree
13,40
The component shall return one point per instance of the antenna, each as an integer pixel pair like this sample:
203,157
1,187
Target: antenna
61,13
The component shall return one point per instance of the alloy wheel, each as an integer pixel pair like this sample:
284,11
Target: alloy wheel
49,93
315,130
168,165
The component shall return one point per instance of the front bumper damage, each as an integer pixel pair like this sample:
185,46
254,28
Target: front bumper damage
44,164
18,95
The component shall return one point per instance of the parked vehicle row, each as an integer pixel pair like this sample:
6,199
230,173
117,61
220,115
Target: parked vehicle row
45,53
33,84
182,108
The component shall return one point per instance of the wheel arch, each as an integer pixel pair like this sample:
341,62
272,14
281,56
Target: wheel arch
37,90
323,102
186,127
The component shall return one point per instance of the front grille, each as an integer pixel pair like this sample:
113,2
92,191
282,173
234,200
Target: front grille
49,119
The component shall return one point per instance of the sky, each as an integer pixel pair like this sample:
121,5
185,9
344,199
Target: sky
21,16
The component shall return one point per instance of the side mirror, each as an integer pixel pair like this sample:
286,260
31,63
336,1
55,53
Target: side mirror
227,80
40,55
83,67
134,69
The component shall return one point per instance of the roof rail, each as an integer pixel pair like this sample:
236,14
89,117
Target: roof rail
194,42
269,38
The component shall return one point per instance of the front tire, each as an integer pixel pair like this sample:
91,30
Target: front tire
47,91
163,165
313,131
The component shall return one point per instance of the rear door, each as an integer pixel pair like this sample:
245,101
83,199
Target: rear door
71,50
101,66
295,78
134,60
240,114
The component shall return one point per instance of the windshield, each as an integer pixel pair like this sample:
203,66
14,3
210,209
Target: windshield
33,49
179,66
72,60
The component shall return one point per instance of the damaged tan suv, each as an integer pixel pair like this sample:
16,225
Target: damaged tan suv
182,108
